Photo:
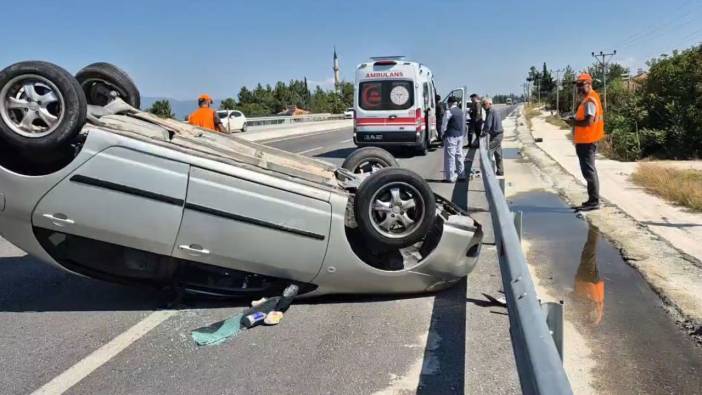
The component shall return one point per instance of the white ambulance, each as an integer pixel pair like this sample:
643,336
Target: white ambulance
394,104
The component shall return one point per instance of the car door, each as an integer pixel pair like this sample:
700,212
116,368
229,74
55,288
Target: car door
249,226
236,120
120,196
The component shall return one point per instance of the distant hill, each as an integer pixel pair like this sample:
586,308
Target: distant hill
181,108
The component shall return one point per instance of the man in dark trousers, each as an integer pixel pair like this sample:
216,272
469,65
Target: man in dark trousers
493,128
440,110
477,117
588,129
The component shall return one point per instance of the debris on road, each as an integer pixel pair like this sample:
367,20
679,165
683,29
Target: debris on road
219,332
267,311
273,318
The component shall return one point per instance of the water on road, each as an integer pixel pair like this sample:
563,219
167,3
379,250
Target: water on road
636,345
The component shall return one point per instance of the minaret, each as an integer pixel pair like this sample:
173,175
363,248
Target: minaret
337,80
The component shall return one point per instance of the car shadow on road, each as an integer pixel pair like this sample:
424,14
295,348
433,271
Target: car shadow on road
29,285
342,153
443,368
337,153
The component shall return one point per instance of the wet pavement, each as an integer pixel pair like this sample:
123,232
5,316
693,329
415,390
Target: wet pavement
636,345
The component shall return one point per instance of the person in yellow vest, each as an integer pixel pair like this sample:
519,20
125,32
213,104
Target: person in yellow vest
205,117
588,129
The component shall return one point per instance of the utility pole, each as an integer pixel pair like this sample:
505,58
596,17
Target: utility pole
602,60
558,84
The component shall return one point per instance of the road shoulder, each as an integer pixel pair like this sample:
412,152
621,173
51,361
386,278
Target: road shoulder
673,274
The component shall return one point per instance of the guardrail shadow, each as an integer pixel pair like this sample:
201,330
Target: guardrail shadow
443,368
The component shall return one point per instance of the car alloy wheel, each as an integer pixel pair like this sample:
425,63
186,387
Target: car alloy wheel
396,210
31,106
369,166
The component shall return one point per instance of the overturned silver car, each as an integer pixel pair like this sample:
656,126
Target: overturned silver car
93,185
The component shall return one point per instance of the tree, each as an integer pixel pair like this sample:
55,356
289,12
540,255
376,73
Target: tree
227,104
162,108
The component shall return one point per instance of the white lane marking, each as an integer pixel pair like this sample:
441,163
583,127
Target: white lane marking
309,150
299,136
318,148
99,357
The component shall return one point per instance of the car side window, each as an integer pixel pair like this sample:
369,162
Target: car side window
236,114
425,94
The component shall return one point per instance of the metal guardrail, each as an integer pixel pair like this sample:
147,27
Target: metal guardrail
291,119
536,353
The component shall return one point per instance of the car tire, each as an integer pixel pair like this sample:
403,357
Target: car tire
102,82
244,128
394,208
368,160
42,107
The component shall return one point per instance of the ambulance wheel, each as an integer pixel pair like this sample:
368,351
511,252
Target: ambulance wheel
103,82
422,149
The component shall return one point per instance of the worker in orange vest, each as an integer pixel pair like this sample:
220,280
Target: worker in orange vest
204,116
588,125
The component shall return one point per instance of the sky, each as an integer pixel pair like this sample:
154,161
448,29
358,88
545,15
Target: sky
179,49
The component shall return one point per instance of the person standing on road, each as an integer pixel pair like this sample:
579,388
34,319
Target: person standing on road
493,128
453,129
588,129
440,110
206,117
477,116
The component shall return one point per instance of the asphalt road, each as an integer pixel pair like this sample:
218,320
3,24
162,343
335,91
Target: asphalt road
454,341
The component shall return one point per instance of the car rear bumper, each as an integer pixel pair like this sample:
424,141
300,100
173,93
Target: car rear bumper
385,138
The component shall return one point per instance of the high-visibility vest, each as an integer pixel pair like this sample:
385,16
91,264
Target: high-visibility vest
594,132
203,117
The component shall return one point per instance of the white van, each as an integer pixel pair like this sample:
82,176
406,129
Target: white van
394,104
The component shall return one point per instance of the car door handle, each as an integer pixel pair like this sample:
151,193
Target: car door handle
194,249
59,219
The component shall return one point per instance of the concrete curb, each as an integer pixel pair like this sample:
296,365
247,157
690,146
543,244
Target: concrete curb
674,275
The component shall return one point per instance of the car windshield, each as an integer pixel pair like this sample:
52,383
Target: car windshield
386,95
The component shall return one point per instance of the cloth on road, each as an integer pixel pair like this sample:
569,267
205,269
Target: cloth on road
454,158
586,156
495,152
219,332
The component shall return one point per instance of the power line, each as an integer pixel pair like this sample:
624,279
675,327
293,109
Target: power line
673,21
603,62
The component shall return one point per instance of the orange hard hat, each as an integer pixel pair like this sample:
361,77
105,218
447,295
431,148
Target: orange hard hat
584,77
205,97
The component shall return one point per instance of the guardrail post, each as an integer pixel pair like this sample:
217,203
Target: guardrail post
553,312
518,221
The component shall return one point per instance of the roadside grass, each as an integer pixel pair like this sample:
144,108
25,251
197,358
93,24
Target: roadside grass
531,111
555,120
680,186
